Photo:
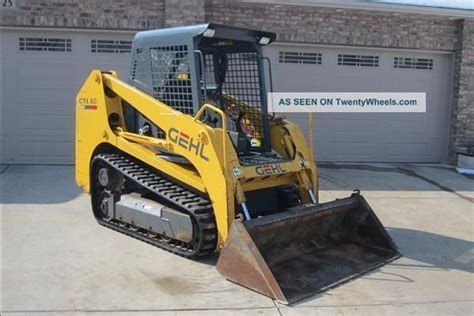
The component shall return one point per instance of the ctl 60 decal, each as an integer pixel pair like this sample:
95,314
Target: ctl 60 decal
269,169
187,142
88,103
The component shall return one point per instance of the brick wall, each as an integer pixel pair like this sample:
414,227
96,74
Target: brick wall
349,27
184,12
462,122
291,23
97,14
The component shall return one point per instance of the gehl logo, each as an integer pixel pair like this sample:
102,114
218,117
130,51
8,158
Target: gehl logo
269,169
187,142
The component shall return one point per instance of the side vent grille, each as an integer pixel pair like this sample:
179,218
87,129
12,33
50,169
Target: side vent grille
300,58
413,63
134,71
357,60
42,44
111,46
138,67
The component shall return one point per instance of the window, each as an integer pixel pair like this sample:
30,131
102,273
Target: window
111,46
42,44
412,63
357,60
300,58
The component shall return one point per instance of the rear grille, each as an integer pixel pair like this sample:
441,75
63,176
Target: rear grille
357,60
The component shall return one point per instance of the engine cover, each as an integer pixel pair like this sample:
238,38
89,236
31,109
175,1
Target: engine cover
154,217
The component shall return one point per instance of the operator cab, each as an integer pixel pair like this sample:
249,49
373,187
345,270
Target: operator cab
209,63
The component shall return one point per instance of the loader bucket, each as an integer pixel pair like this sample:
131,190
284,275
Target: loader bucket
295,254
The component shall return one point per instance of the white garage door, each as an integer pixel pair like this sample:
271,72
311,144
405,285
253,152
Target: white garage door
376,137
42,71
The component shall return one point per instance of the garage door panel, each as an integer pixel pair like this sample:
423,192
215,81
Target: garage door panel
45,149
413,128
407,151
416,137
46,74
45,152
49,123
59,108
355,148
41,90
35,125
340,129
51,100
39,148
346,136
351,151
345,124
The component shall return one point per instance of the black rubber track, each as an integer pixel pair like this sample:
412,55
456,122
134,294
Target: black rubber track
200,209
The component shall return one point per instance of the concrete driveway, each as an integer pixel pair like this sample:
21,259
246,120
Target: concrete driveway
57,260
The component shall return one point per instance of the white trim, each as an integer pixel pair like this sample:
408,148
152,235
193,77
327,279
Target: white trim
370,6
449,52
65,29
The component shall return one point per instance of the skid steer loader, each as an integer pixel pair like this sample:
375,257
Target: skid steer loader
186,157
